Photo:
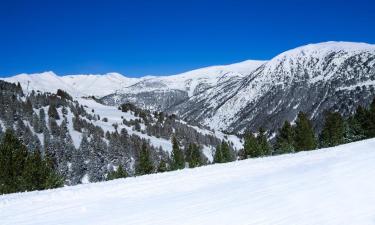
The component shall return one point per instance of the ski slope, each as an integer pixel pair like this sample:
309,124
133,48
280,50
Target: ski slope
328,186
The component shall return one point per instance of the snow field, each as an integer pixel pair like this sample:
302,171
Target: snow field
328,186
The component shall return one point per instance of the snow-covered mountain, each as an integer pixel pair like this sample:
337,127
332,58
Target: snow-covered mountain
335,76
76,85
87,140
105,84
328,186
162,93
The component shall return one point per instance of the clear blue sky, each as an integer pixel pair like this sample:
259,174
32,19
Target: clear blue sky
138,37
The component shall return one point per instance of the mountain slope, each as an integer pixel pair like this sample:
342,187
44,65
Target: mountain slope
106,84
161,93
334,76
76,85
86,140
328,186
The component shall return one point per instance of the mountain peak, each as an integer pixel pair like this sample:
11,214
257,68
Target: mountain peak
326,47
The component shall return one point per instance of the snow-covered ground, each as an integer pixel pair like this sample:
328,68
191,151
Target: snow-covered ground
329,186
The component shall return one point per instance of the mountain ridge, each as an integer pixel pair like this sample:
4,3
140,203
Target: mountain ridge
245,96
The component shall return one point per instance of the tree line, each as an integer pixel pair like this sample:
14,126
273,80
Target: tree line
22,170
301,136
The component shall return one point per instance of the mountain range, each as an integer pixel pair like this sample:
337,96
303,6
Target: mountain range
335,76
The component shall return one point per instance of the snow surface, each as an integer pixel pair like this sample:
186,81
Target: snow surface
328,186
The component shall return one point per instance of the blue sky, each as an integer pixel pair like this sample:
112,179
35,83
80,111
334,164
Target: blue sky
165,37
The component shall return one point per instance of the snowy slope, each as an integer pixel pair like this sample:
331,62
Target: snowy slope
116,116
105,84
98,85
76,85
328,186
311,78
190,81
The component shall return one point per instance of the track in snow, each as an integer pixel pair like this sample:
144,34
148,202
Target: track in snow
329,186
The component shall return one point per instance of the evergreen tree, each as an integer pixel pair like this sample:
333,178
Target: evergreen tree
223,153
193,156
226,152
178,161
284,139
145,165
119,173
251,146
304,138
371,120
22,170
353,130
162,166
78,168
218,157
12,163
52,112
333,130
265,148
362,117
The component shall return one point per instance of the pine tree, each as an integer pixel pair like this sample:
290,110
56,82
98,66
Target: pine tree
178,161
304,138
52,112
353,130
251,146
218,157
333,130
119,173
284,139
223,153
362,117
226,152
12,162
193,156
162,166
265,148
371,120
22,170
145,165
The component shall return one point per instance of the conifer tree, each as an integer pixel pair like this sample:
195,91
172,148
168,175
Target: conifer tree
12,163
178,161
353,130
193,156
361,116
162,166
251,146
223,153
218,157
22,170
226,152
145,165
304,138
284,139
265,148
119,173
333,130
52,112
371,120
